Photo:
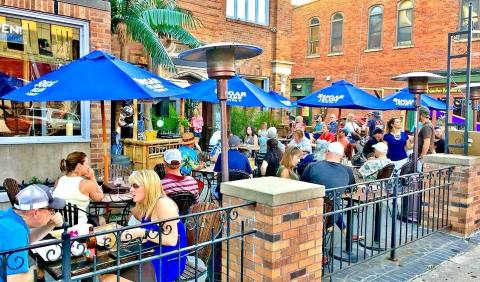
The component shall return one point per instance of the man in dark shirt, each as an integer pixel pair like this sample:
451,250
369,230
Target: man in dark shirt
426,137
236,160
377,136
439,141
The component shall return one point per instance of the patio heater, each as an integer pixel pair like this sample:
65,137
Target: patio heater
220,58
417,85
475,97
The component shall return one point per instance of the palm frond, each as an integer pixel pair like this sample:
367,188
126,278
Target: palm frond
143,33
158,18
182,35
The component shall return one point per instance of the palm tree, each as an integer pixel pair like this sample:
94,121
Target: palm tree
149,21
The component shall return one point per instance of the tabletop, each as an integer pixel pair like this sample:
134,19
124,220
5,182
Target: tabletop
249,147
115,197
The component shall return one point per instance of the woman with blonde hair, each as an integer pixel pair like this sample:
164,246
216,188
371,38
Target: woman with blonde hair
289,161
153,205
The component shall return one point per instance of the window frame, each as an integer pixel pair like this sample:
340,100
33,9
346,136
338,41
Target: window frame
461,18
309,36
369,31
332,21
398,23
236,17
84,29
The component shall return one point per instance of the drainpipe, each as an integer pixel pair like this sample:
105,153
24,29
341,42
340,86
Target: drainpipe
55,7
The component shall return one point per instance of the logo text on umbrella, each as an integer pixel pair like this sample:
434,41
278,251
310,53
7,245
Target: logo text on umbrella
40,87
403,102
236,96
330,99
151,83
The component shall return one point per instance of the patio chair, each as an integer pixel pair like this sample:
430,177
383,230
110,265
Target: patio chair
160,170
12,188
259,157
184,201
204,226
70,215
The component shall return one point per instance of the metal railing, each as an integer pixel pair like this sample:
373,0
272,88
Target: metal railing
121,253
363,221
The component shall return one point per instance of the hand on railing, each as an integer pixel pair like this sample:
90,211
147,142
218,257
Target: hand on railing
132,234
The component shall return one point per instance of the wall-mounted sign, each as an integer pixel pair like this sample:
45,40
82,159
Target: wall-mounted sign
442,90
11,33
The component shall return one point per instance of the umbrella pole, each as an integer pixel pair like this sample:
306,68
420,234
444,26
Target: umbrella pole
415,132
222,96
135,119
106,165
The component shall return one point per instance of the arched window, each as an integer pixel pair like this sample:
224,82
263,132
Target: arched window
375,21
336,36
464,14
405,23
313,36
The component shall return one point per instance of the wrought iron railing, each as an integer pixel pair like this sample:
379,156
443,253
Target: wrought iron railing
120,253
366,220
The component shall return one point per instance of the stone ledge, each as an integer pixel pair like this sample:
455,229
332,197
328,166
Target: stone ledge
272,191
451,159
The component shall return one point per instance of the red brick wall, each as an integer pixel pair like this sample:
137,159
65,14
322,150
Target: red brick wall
432,20
99,37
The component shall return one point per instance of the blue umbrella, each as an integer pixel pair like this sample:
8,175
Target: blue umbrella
96,76
404,100
342,94
240,92
286,102
9,83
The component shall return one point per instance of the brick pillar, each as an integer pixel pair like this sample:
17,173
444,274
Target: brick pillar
464,206
288,219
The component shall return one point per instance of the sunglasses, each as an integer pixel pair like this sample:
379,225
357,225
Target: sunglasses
135,186
52,211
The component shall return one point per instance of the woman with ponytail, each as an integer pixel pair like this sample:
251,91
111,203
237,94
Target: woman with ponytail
78,186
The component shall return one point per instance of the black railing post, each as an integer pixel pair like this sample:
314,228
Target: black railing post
66,254
393,241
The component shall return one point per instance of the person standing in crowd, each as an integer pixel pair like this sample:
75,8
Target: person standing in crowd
318,129
289,161
262,141
190,159
153,205
236,160
426,137
352,127
342,138
370,168
31,219
272,159
375,122
197,123
250,136
439,142
263,129
174,181
272,134
327,135
398,143
78,186
376,137
333,124
299,140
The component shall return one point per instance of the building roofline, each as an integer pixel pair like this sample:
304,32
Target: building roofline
304,4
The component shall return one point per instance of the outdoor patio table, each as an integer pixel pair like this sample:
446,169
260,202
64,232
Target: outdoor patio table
208,175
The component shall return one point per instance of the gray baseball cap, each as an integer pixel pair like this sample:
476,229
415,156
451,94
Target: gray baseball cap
234,141
37,196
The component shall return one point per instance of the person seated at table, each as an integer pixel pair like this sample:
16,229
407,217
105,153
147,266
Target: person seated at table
299,123
272,159
174,181
272,134
189,155
326,134
371,167
236,160
78,186
318,129
377,136
250,137
289,161
299,140
153,205
263,129
31,218
342,138
262,141
320,150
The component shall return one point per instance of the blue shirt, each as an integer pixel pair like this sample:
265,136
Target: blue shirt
236,160
333,126
396,148
189,160
14,235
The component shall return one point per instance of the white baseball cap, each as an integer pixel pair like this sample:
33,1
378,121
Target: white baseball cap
171,155
336,148
37,196
381,147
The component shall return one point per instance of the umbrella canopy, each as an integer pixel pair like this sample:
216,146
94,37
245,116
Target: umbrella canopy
342,94
286,102
9,83
240,92
96,76
404,100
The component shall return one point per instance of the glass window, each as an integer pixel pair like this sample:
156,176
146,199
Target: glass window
313,36
405,23
464,15
31,49
336,37
255,11
375,19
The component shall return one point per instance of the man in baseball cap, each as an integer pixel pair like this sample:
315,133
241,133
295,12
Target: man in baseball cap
369,170
32,217
174,182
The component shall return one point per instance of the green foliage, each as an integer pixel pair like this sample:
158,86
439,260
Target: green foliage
34,180
170,123
243,117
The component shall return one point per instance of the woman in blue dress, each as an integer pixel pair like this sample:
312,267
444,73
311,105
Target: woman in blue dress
153,205
398,143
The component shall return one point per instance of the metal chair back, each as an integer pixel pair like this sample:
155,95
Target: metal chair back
386,172
160,170
184,201
12,188
407,168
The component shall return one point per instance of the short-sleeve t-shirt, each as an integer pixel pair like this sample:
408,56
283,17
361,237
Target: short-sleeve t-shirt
329,174
273,160
14,235
396,147
427,131
236,161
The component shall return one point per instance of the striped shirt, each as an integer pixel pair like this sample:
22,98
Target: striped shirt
172,183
